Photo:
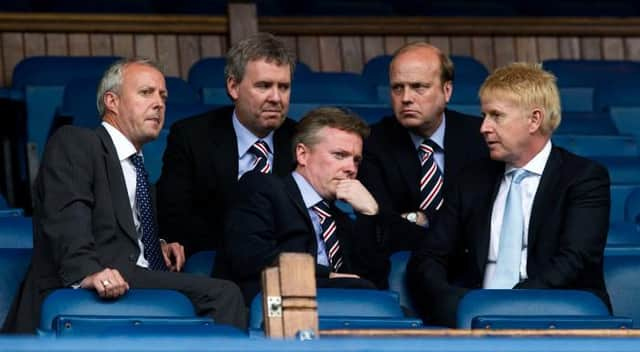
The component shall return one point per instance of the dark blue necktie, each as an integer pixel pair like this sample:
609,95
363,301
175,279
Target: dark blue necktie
261,151
329,236
150,241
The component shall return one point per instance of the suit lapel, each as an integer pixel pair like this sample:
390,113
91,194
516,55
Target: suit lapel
291,187
404,152
282,157
224,148
117,186
544,195
454,150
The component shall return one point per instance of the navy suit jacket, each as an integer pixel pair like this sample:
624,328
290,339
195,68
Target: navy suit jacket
270,218
567,234
391,170
200,177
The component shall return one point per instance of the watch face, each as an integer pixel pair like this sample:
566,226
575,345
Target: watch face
412,217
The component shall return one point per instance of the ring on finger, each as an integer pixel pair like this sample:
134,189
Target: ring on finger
106,283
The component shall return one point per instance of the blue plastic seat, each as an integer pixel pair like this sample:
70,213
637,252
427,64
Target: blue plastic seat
623,170
523,303
200,263
333,88
621,277
16,232
398,278
136,302
624,93
623,239
153,152
495,322
627,119
598,146
587,123
619,195
14,263
350,308
590,73
576,99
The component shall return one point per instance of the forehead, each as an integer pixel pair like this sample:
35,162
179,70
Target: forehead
141,75
336,137
416,64
261,70
499,97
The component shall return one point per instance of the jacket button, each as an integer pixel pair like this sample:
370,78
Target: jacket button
466,251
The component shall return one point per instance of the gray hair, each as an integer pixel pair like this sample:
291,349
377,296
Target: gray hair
112,78
258,46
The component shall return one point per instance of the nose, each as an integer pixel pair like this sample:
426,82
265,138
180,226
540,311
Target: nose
275,95
351,168
486,125
406,96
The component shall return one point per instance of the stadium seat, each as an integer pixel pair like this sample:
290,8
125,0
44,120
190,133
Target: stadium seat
349,308
576,99
622,170
200,263
14,263
590,73
136,302
153,152
627,119
371,113
624,93
398,278
495,322
16,232
632,206
598,146
621,208
523,303
621,277
333,88
623,239
586,123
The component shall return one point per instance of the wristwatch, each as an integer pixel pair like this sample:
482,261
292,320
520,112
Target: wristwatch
412,217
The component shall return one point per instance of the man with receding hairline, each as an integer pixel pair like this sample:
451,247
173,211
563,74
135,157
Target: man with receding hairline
411,156
534,217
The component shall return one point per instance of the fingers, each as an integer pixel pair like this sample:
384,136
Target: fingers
108,283
354,193
333,275
174,257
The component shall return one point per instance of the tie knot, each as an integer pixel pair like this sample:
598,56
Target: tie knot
517,175
260,149
137,161
427,146
322,209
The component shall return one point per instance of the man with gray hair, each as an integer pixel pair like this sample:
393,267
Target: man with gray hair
94,218
207,154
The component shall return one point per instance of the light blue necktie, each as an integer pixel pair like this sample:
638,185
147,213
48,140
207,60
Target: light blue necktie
507,273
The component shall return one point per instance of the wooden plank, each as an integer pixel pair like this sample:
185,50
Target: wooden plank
167,46
297,275
12,53
632,48
504,51
591,48
526,49
289,42
352,57
34,44
212,46
330,54
243,21
548,48
569,48
461,46
299,319
612,48
484,332
416,38
393,43
273,325
309,51
79,44
145,46
101,45
443,43
57,44
482,48
373,46
123,45
188,53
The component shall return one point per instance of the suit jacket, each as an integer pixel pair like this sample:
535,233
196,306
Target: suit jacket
270,218
82,220
200,177
567,234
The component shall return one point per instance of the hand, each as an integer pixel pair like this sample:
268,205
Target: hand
333,275
108,283
421,219
354,193
173,254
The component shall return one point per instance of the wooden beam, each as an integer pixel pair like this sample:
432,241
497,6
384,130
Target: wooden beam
243,21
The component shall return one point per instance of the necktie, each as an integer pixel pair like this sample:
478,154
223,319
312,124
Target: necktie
261,151
152,251
507,272
328,234
430,180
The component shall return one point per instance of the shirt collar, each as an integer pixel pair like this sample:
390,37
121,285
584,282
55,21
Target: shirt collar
124,147
246,138
437,137
309,195
537,164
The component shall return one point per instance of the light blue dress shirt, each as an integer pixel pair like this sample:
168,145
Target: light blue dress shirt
438,138
246,139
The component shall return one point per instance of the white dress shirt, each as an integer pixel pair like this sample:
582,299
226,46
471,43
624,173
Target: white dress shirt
528,187
245,140
125,149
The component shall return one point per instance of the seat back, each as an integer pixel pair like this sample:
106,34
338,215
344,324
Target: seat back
590,73
136,302
200,263
153,152
398,277
16,232
621,278
14,263
333,88
527,303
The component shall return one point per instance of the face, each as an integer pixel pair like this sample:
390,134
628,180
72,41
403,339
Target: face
418,97
262,97
137,110
335,157
509,129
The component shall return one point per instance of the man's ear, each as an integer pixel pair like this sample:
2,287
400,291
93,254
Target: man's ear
111,101
447,88
535,120
233,88
302,152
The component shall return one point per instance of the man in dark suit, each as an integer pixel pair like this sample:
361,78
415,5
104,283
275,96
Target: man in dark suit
207,154
410,157
296,213
94,218
536,216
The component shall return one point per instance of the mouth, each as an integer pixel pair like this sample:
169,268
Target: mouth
155,119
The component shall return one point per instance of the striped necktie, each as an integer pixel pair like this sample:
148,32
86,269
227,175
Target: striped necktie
329,236
430,179
150,241
261,151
